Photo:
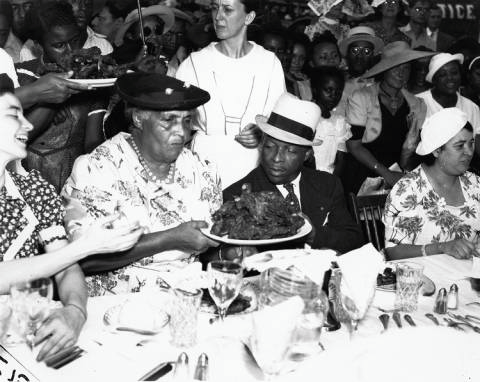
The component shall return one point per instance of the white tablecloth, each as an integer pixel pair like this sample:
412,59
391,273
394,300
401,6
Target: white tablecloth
116,357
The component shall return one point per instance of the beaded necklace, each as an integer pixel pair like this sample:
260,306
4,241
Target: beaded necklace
159,182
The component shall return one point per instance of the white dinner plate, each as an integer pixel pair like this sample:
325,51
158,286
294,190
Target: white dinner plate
96,83
302,231
160,318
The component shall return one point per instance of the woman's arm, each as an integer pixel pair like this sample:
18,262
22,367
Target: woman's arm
41,118
364,156
460,249
93,131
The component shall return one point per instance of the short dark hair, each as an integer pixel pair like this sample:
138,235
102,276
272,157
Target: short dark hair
326,37
119,9
435,7
430,159
251,5
6,11
319,75
273,30
42,19
411,3
6,84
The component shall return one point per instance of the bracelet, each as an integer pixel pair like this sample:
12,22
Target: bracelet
84,313
424,250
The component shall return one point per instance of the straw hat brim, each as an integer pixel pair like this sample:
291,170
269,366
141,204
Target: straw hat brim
280,134
376,41
165,13
395,60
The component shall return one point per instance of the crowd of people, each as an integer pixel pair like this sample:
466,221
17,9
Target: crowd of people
106,184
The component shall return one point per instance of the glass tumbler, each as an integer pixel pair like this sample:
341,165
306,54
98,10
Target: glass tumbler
409,282
184,316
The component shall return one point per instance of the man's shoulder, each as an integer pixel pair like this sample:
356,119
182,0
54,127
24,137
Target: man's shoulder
320,180
255,178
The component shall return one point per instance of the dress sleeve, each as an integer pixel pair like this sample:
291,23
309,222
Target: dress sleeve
356,110
403,222
49,211
277,86
88,193
186,72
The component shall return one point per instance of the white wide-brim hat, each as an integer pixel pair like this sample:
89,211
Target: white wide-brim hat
440,128
164,12
439,60
361,33
291,120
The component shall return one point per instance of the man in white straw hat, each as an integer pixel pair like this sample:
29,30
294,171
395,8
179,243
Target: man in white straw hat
445,75
287,144
436,207
385,120
359,49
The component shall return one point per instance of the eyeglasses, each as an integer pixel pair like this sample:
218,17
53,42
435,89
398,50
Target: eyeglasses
392,2
158,31
359,50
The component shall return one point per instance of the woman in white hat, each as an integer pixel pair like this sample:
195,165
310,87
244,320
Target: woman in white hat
436,207
445,74
381,117
243,80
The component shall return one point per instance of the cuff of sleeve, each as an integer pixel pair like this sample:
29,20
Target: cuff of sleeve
51,234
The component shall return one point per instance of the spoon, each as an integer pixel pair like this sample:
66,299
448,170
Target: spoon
433,318
397,318
384,318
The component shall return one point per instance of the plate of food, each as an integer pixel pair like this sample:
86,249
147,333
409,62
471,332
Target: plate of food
136,316
88,66
256,218
387,282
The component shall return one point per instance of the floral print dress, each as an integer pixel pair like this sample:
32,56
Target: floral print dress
415,214
112,179
31,215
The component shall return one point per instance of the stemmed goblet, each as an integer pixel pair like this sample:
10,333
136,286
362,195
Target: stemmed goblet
225,280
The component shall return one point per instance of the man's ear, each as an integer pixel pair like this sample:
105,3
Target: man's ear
137,118
250,17
436,152
308,154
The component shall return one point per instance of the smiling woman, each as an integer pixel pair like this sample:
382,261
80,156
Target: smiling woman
243,80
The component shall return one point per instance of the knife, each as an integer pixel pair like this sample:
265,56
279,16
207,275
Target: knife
397,318
157,372
70,358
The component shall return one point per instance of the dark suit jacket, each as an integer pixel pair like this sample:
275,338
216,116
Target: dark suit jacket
321,195
444,41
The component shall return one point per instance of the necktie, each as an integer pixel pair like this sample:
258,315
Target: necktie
292,199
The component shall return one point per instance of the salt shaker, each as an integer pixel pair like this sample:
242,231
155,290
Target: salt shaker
452,300
181,368
201,371
441,302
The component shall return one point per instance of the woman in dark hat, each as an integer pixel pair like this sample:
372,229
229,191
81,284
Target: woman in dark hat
385,120
151,178
243,80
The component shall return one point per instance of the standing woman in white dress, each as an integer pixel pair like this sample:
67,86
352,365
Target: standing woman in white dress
243,80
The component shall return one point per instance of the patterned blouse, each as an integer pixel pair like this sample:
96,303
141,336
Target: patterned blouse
111,179
416,214
37,197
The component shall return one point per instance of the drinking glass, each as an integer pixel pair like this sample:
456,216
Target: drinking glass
184,316
409,282
31,302
225,281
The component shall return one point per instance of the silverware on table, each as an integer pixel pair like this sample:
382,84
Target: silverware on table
454,324
473,303
464,321
182,370
158,372
409,319
64,357
384,318
135,330
397,318
433,318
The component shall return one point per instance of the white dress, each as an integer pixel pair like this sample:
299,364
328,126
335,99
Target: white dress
240,89
464,104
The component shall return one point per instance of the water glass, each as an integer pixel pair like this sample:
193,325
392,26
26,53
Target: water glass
409,282
5,316
184,316
225,280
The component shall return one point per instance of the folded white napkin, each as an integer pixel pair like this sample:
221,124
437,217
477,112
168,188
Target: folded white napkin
313,263
273,329
360,268
475,270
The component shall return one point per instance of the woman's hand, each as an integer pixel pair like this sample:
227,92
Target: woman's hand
249,137
103,237
392,177
413,136
460,249
60,330
187,237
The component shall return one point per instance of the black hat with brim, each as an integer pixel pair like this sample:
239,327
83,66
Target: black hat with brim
159,92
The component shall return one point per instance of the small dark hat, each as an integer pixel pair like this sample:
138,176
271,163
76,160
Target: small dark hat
160,92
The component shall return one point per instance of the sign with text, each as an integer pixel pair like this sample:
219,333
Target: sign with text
12,370
460,17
